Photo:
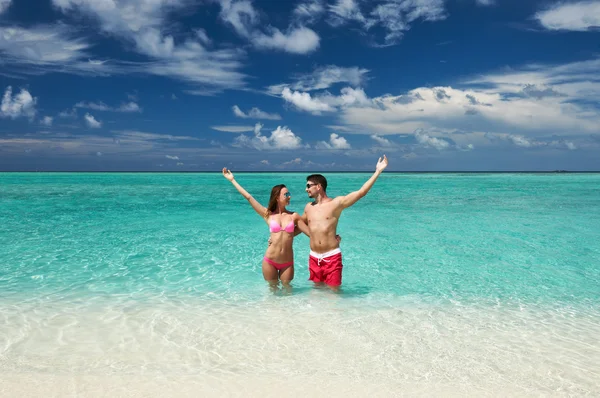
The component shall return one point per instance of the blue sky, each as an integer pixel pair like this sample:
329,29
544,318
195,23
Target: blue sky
311,85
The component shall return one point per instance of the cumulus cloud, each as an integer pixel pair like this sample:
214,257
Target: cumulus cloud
295,161
129,107
46,121
426,140
245,20
254,113
348,97
534,100
21,105
305,102
580,16
281,138
300,40
172,157
335,142
91,121
519,140
381,140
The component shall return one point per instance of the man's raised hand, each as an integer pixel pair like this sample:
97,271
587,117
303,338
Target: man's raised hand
227,174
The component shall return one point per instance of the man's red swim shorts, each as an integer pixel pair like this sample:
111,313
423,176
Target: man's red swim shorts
326,267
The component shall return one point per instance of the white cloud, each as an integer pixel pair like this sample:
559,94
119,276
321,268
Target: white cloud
519,140
524,142
381,140
345,10
265,162
394,16
580,16
144,24
245,20
300,40
305,102
232,129
129,107
426,140
295,161
70,114
172,157
310,11
348,97
47,48
101,106
281,138
240,15
254,113
535,100
21,105
326,102
335,142
4,4
96,106
323,78
92,122
131,135
46,121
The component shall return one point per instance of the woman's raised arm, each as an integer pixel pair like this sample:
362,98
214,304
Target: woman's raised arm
260,209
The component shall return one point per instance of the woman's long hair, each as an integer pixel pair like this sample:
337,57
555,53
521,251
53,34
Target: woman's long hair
275,191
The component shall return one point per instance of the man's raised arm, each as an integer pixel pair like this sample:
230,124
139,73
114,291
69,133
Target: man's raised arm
352,198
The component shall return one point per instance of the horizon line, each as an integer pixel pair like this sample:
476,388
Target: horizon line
303,171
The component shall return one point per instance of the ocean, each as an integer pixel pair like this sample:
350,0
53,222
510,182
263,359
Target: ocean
150,284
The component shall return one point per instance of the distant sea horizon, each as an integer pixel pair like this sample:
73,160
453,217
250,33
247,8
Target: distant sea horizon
314,171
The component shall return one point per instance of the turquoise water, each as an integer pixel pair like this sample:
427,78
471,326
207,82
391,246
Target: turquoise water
489,282
527,237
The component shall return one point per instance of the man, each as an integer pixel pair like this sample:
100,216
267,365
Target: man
322,216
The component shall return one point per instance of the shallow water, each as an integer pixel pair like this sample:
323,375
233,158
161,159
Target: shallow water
484,284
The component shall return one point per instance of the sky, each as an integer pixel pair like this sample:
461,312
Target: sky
299,85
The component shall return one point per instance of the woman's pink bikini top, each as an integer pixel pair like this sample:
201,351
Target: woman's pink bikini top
275,227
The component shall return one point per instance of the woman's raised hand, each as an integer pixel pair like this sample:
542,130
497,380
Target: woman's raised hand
227,174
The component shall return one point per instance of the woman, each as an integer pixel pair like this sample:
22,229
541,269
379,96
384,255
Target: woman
278,262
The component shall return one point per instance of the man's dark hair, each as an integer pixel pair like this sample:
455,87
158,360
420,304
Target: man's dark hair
318,179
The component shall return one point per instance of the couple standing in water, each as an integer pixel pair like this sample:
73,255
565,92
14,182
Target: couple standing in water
319,222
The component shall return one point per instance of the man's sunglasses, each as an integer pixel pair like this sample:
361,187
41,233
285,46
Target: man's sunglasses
310,185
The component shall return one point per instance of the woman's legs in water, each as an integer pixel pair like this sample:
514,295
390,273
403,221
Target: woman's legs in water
270,273
286,275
